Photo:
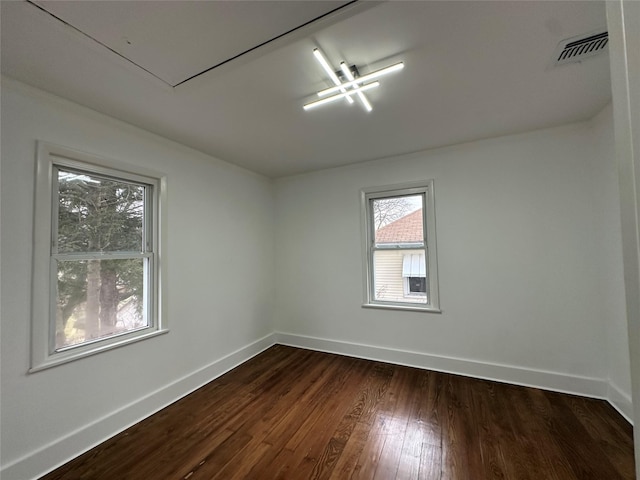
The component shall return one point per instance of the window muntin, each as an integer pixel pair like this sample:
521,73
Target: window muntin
97,281
399,231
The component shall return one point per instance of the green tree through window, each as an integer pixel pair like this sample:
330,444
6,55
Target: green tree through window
97,295
97,257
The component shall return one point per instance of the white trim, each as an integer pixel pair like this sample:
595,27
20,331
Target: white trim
99,345
402,306
49,457
621,401
49,157
545,380
623,22
426,189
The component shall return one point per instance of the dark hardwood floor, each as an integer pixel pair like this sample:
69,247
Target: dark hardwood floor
297,414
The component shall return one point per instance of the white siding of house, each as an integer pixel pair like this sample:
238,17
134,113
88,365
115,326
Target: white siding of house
388,281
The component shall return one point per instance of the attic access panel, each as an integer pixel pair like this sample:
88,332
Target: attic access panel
177,40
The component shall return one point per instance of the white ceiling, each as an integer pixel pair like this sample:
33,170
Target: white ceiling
160,38
472,70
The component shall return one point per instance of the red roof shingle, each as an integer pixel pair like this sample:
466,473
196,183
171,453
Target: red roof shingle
407,229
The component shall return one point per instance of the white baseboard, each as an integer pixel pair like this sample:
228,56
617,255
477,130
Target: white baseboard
557,382
621,401
57,453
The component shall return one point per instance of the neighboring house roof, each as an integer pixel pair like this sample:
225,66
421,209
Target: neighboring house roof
407,229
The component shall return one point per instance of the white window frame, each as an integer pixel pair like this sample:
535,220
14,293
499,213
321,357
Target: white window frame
49,158
367,195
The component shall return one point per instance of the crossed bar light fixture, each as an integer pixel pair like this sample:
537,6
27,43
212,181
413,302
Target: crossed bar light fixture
355,84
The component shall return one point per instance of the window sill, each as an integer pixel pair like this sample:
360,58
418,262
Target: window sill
73,354
409,308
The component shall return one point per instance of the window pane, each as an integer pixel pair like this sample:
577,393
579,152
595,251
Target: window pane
418,284
398,221
96,214
389,285
97,299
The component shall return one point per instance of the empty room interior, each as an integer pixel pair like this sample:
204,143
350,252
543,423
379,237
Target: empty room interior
320,239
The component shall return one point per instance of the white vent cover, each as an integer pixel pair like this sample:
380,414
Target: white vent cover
576,49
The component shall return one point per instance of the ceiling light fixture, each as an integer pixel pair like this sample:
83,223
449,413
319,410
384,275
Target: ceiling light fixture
355,84
349,76
364,78
332,75
333,98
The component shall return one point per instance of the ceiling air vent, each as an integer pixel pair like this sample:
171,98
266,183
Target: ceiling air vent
576,49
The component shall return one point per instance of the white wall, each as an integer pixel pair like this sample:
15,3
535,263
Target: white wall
623,21
220,288
609,235
529,263
523,279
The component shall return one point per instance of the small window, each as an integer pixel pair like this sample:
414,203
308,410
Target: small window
98,286
400,247
414,273
417,285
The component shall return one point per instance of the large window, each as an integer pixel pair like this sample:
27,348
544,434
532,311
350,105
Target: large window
98,286
400,247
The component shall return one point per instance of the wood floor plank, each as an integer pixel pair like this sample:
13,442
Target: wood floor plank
567,428
290,413
363,412
430,462
257,418
289,431
311,452
384,429
487,431
409,464
332,444
457,451
197,435
613,437
525,454
396,433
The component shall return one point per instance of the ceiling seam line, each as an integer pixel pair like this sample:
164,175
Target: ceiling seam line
265,42
30,2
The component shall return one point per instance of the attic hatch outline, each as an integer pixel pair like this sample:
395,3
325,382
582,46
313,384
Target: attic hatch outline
206,70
